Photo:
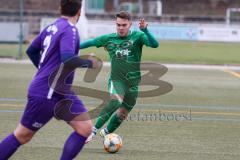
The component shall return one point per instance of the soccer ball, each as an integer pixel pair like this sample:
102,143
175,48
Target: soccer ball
112,143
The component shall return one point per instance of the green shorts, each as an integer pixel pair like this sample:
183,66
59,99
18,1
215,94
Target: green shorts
129,92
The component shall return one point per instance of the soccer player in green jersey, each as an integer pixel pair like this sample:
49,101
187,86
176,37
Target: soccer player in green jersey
125,51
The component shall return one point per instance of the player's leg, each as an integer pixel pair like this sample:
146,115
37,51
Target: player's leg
23,134
12,142
32,120
105,114
108,110
76,140
122,113
117,92
82,126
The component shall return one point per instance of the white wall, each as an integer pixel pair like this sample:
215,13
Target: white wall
10,32
180,31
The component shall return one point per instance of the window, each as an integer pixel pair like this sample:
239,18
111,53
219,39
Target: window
95,6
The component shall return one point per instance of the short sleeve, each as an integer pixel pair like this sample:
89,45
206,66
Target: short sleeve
69,41
37,42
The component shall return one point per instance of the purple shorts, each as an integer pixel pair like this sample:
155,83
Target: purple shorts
39,111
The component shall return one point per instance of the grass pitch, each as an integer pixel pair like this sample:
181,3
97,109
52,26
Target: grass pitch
198,119
167,52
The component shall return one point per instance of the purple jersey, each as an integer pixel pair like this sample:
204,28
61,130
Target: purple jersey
61,37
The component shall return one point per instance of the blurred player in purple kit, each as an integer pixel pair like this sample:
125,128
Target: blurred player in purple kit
54,46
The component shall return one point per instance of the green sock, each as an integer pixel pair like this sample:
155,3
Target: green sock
106,113
114,123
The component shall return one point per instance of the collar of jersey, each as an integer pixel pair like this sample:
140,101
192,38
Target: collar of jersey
71,24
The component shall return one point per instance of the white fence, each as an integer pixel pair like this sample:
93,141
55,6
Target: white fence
187,32
10,32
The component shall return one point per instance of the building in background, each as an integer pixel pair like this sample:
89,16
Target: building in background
152,10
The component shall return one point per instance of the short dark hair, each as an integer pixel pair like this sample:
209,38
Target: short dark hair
70,7
124,15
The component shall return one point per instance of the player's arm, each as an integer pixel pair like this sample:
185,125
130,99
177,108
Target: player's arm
148,38
96,42
34,51
67,49
88,43
75,61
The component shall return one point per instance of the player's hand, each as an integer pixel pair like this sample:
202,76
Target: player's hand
142,24
96,63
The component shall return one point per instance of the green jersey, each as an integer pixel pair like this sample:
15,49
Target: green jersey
125,54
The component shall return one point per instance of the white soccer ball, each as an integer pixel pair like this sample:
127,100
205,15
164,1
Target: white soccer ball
112,143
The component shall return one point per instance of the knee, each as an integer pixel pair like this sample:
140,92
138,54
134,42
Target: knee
122,114
88,130
84,128
23,136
